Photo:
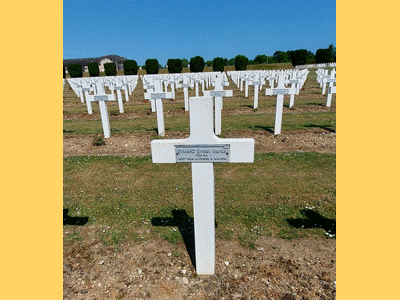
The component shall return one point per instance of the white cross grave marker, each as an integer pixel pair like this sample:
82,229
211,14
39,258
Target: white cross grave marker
256,83
202,148
158,95
280,91
331,90
102,97
218,93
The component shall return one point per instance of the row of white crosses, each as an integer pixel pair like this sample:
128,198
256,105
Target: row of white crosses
153,86
323,77
202,149
83,86
259,78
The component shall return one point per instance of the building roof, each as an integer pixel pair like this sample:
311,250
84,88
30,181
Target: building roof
84,61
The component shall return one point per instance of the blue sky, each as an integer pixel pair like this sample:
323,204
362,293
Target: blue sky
183,29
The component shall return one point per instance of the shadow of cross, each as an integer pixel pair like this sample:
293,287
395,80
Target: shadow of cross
67,220
185,226
314,220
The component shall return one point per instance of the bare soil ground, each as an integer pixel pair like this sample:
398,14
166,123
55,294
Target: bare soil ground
157,269
138,144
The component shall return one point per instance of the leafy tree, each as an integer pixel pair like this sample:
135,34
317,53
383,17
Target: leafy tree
281,57
298,57
130,67
218,64
75,70
332,50
260,59
196,64
93,69
174,65
151,66
209,63
241,62
225,61
231,62
110,69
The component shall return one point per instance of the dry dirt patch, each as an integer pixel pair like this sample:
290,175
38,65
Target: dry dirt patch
157,269
138,144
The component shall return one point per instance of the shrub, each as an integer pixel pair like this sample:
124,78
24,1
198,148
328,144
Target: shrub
218,64
298,57
98,141
93,69
130,67
209,63
196,64
185,63
110,69
323,56
241,62
75,70
174,65
151,66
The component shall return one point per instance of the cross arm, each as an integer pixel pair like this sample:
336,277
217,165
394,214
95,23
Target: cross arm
240,150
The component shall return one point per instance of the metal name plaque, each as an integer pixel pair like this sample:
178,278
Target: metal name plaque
186,85
157,95
85,89
149,86
202,153
280,92
100,97
118,88
217,93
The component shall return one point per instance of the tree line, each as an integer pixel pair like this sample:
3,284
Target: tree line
197,64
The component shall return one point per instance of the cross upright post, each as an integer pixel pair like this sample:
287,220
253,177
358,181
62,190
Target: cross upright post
256,83
102,97
158,95
218,93
203,148
86,90
280,91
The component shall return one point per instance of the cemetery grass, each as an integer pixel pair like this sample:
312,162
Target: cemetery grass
279,195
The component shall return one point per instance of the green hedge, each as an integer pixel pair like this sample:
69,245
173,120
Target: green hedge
218,64
241,62
174,65
110,69
151,66
196,64
130,67
75,70
93,69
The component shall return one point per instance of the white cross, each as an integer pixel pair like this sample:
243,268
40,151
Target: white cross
296,85
280,91
256,82
118,87
218,93
202,148
185,85
331,88
150,89
158,95
102,97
